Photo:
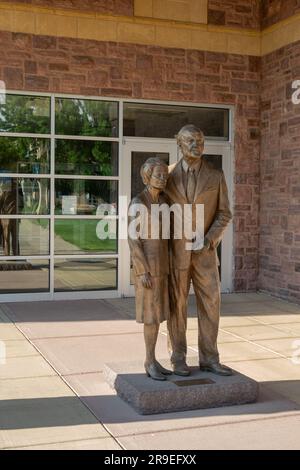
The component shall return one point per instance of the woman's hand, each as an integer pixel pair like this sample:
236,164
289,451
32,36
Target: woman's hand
147,280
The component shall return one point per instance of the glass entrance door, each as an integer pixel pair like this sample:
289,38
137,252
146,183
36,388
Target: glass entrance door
136,152
219,156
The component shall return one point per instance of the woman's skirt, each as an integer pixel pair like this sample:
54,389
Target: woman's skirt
152,305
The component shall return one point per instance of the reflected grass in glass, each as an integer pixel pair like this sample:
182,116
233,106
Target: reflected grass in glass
80,236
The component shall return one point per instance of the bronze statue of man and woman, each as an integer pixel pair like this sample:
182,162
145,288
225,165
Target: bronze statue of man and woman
165,268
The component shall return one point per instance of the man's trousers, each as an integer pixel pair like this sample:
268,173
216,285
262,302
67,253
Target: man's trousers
204,274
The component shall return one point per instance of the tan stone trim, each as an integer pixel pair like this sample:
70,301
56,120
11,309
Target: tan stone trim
176,10
77,24
56,22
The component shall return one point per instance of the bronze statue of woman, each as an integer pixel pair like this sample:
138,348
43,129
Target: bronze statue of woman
150,260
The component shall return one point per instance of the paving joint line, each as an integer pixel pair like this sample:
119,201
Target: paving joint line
27,377
70,387
281,330
257,345
242,340
56,442
85,336
293,413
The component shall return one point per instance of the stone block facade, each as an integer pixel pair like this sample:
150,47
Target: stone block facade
241,14
64,65
280,175
274,11
253,14
266,122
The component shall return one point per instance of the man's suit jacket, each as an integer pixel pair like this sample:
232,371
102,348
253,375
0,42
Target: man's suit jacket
211,190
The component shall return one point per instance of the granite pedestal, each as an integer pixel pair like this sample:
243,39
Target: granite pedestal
199,390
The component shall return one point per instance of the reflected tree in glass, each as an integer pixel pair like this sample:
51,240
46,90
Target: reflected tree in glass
24,155
20,113
86,117
83,157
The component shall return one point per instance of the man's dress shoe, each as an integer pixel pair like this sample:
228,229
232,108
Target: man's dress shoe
216,368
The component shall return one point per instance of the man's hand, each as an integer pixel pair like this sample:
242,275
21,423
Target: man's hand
147,280
206,246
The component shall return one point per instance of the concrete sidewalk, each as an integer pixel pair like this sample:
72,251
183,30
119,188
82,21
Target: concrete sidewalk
53,395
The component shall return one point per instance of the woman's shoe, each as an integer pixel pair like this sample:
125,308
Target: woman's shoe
153,372
162,369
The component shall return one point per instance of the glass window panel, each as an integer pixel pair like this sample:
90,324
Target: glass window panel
84,236
20,113
214,160
24,237
137,160
85,197
24,155
164,121
86,117
85,157
85,274
21,276
24,196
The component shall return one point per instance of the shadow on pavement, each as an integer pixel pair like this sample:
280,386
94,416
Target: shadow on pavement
68,411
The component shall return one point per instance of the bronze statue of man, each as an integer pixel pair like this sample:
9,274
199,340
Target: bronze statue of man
193,181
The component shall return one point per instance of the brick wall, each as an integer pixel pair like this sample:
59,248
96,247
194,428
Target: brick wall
277,10
41,63
233,13
280,175
253,14
113,7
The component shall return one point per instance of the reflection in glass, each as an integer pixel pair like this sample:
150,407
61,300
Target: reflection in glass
20,113
24,155
24,237
164,121
85,274
137,160
214,160
85,157
85,197
86,117
20,276
24,196
84,236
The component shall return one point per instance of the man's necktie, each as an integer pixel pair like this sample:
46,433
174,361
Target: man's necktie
191,185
